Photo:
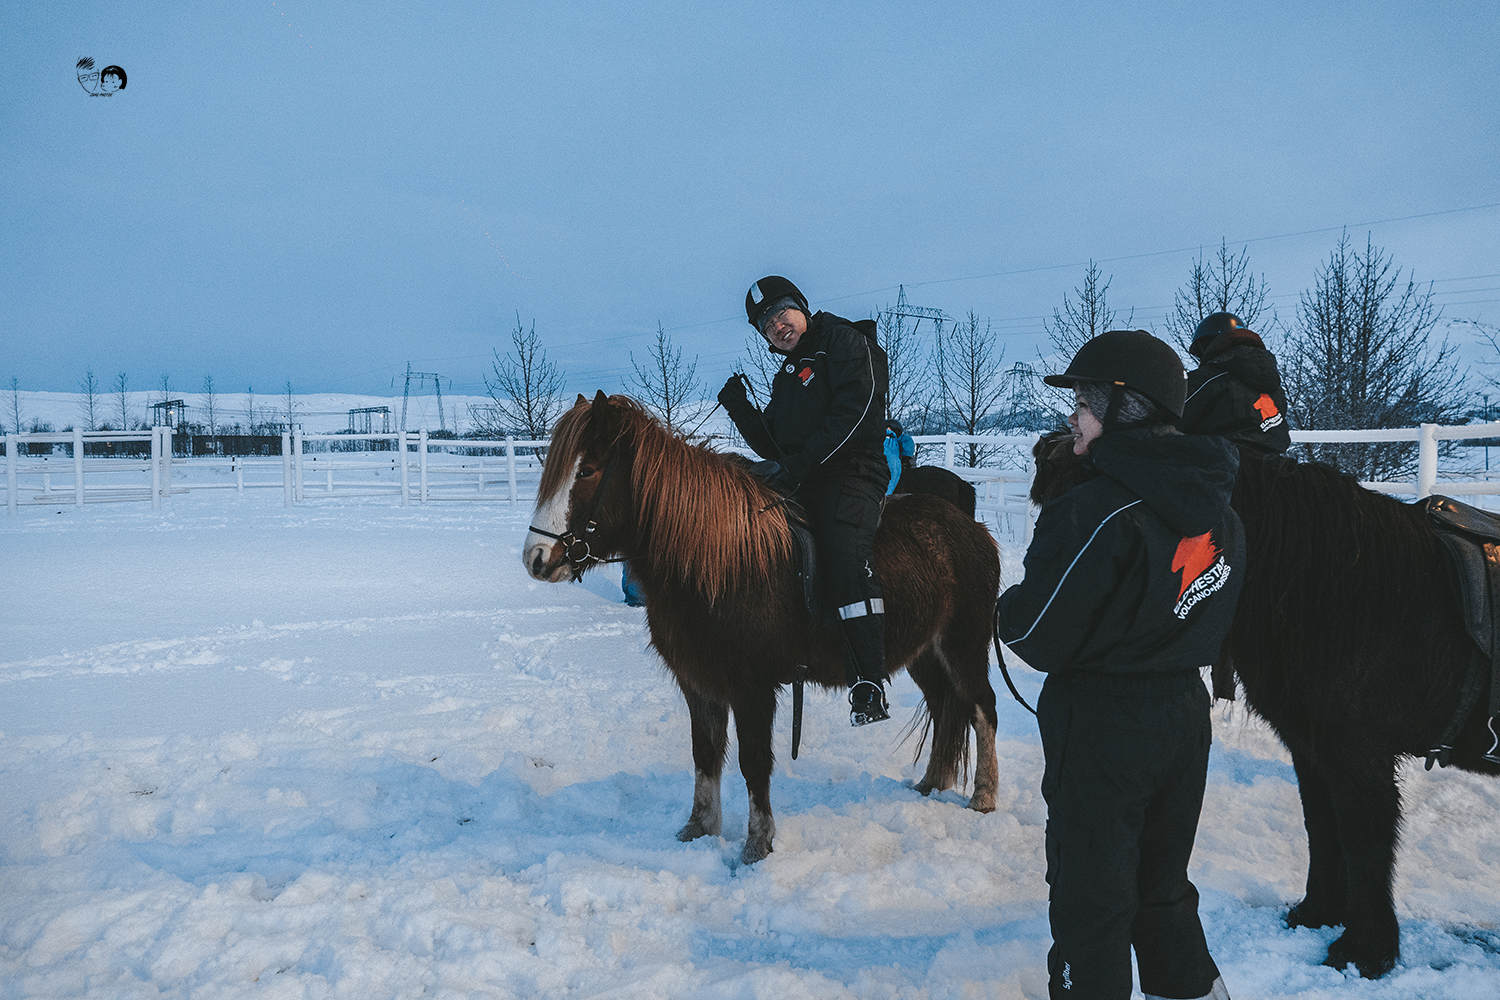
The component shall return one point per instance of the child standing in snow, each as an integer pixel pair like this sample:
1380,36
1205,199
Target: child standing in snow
1131,583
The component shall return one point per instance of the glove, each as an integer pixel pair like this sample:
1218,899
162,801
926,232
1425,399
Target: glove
732,396
774,476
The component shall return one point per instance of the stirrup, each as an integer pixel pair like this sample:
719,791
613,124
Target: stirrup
867,704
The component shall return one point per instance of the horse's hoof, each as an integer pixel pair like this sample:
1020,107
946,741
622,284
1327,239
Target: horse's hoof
1370,964
982,803
1312,914
754,851
693,830
924,788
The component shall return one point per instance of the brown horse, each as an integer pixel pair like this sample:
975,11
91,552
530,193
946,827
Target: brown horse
1349,640
715,559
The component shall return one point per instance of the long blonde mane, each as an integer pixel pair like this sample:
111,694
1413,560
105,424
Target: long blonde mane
701,514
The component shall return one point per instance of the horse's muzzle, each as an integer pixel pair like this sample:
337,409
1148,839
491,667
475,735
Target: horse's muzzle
546,560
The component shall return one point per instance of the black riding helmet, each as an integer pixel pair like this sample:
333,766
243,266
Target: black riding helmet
1213,325
767,291
1133,359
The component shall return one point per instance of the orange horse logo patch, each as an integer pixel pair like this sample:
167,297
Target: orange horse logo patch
1270,416
1203,570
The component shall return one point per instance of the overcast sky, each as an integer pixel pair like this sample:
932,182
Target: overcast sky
326,192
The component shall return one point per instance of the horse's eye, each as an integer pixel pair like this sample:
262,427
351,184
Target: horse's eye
585,472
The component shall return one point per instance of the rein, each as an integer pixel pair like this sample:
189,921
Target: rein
576,548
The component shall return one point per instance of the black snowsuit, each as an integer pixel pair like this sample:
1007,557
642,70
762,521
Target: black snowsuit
1131,582
825,424
1236,392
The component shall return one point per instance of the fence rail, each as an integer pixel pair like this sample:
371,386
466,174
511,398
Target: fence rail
57,468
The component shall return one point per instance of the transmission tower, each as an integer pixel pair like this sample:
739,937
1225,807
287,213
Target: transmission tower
918,313
437,383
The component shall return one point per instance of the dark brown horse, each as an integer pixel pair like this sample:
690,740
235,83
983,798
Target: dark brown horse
1349,640
715,559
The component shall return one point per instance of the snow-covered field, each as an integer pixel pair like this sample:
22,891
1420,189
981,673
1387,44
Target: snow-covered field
350,750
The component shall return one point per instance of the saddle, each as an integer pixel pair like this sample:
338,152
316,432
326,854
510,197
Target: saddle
818,610
1472,537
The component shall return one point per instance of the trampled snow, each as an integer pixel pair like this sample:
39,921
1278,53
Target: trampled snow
350,749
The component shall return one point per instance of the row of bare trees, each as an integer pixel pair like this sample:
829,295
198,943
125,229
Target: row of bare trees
113,408
1361,352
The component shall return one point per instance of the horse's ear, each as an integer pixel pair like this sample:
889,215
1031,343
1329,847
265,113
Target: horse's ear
581,400
600,399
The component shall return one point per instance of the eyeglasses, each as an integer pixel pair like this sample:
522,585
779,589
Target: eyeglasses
769,319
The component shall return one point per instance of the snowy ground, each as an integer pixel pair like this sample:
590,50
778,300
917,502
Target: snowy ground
351,750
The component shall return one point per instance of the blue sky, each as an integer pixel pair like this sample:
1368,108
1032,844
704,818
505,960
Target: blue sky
325,192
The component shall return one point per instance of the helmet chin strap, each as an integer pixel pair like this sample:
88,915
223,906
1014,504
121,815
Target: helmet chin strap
1116,397
1112,412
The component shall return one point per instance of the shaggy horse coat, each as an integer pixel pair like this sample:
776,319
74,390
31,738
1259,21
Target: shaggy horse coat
715,560
1349,640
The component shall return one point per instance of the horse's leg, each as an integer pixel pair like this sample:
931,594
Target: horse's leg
986,767
937,692
1368,809
1326,899
955,681
754,715
710,740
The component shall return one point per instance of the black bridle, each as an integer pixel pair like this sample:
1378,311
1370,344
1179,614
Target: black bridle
575,546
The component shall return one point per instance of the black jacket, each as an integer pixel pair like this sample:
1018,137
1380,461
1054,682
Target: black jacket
1137,570
1236,392
826,416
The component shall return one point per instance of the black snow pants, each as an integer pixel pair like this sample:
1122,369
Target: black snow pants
1126,762
844,512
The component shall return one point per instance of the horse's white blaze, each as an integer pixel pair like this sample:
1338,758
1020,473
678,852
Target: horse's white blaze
551,516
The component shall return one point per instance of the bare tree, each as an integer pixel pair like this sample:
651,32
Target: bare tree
210,406
88,402
122,399
1074,325
760,366
908,398
1224,284
527,390
668,387
970,379
291,405
165,388
250,410
1361,356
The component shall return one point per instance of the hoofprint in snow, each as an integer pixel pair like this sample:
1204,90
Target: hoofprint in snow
350,749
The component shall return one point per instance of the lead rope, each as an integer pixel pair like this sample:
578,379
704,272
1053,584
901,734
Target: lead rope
1005,672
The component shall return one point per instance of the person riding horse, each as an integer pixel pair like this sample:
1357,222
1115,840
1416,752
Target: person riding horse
1131,583
1236,389
821,437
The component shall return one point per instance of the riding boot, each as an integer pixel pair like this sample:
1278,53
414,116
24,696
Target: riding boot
864,661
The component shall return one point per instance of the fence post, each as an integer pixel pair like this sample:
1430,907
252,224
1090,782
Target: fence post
510,464
155,468
10,473
1427,456
948,450
286,468
405,472
297,462
422,444
78,465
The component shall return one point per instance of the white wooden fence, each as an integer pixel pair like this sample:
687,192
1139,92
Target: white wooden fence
421,469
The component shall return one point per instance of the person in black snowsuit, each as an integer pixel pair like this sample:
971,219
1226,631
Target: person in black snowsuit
1131,582
822,438
1236,389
